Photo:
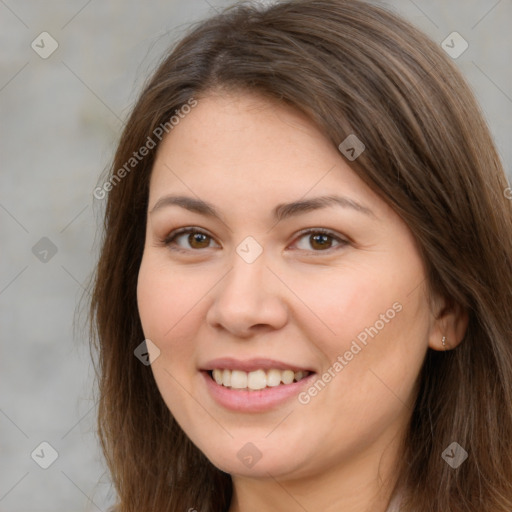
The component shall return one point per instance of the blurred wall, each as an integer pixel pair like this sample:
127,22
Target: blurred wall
61,114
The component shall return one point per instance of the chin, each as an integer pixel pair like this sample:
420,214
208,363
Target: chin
250,461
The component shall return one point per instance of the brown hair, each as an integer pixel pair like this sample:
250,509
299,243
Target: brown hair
353,68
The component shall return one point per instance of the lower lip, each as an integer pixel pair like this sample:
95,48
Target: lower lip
254,401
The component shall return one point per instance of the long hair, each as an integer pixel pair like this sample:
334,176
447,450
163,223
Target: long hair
353,68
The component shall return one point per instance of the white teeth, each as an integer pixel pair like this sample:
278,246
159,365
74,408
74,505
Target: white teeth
258,379
226,378
273,378
217,375
287,377
238,379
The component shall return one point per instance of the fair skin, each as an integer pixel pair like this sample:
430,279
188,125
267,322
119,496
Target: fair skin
300,301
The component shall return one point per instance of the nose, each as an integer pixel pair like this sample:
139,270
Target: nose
249,299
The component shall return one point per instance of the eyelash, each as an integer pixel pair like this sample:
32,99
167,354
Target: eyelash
168,241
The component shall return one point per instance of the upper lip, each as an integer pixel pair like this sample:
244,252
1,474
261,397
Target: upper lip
250,365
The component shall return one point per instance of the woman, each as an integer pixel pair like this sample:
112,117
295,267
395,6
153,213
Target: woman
304,295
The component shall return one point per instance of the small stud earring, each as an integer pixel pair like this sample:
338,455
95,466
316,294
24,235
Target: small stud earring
443,341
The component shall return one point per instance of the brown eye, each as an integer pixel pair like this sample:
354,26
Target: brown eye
320,240
195,239
198,238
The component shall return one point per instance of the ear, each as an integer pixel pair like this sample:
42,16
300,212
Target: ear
449,320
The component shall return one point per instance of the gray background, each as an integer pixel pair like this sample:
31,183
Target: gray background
60,119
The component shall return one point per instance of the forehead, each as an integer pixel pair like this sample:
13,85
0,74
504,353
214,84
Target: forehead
253,148
227,126
245,135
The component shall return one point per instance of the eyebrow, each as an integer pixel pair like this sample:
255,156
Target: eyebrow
281,211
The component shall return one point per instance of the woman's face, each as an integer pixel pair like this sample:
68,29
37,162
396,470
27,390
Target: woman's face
258,294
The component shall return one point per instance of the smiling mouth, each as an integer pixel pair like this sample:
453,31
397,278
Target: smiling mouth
256,380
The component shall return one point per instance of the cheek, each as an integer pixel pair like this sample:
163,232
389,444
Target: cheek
169,303
343,302
381,359
376,318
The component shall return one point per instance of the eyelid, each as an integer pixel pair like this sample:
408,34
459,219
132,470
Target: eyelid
167,241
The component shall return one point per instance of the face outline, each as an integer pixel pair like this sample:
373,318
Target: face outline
209,303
